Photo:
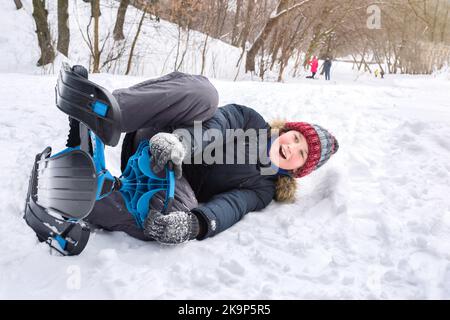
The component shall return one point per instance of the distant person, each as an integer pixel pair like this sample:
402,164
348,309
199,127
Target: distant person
314,63
327,68
379,73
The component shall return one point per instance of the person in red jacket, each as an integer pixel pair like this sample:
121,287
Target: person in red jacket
314,63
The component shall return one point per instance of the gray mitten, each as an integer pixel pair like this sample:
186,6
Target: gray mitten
173,228
165,147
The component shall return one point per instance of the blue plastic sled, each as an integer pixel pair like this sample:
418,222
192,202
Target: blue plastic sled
64,187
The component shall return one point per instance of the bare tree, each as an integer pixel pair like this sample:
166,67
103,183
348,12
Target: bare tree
185,14
63,27
291,40
414,33
243,37
43,33
268,27
222,12
247,25
237,18
133,45
95,14
118,28
183,55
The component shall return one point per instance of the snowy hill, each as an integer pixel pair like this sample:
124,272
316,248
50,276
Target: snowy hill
155,52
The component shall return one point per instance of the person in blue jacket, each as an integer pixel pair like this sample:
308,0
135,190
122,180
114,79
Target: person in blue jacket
228,161
327,68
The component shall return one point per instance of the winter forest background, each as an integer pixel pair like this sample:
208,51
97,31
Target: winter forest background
373,223
276,37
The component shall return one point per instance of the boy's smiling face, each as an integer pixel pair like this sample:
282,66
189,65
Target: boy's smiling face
289,151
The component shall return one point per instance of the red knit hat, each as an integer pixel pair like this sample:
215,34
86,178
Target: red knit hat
321,144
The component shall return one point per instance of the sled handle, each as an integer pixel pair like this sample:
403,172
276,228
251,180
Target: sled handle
171,191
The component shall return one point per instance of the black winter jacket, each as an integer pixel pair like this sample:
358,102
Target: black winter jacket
229,191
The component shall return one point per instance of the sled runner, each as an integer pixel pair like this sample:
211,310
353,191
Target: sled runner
89,103
63,188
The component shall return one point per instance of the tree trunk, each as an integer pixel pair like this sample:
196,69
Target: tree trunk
248,22
280,73
185,49
234,33
63,27
219,10
178,48
205,44
435,18
275,48
207,30
95,11
18,4
444,27
94,7
288,47
378,60
43,33
222,22
262,65
118,28
313,44
297,63
133,45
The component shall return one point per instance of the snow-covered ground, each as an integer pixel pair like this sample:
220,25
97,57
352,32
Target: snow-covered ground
374,222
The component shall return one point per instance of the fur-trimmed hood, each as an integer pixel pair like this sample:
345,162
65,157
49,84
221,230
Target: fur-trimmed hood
285,186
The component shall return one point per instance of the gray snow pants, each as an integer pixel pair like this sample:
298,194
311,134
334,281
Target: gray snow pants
156,105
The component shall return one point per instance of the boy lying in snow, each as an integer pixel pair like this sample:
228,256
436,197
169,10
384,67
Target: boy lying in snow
222,173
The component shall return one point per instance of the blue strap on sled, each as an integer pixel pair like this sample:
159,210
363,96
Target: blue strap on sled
64,187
